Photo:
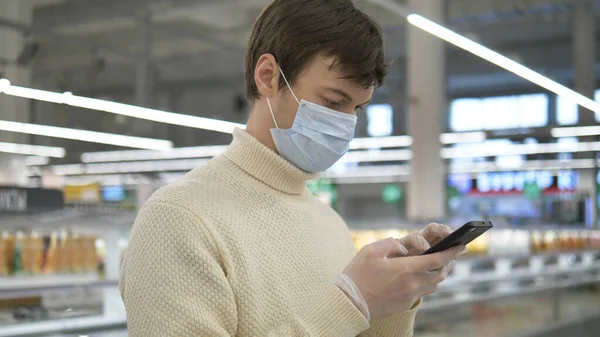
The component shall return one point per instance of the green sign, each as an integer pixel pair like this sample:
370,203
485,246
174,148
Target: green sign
453,192
391,194
323,186
532,190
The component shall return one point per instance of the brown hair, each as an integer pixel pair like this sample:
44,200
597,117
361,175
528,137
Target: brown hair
295,31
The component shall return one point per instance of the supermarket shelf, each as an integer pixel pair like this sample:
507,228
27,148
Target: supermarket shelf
505,279
470,298
12,287
548,255
62,325
519,275
582,327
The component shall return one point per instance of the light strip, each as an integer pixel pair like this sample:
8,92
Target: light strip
86,136
376,156
359,172
128,167
37,161
33,150
352,156
136,155
519,149
580,131
490,55
202,122
462,137
370,172
381,142
531,165
119,108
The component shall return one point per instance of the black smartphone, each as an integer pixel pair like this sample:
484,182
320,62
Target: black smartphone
462,236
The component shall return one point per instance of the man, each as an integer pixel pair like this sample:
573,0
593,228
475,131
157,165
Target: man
239,247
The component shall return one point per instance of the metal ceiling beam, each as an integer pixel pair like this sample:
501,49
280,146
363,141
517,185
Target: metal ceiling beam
46,35
203,35
48,18
13,24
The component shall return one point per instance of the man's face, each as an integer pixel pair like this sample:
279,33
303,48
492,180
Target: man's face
324,85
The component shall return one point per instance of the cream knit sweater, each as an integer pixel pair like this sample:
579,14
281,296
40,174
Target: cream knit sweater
239,247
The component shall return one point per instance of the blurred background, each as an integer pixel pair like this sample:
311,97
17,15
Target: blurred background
450,137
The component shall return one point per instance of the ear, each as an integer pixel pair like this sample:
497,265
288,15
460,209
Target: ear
266,75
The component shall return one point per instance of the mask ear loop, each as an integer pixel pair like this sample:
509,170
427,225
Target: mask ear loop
272,115
269,102
288,85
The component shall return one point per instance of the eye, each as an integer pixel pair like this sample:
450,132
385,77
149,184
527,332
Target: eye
334,103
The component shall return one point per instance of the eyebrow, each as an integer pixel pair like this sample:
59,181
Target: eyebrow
344,94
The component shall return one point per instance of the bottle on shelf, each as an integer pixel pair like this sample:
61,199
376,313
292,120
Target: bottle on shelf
17,258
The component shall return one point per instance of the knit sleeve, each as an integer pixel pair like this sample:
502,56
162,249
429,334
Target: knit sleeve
171,281
173,284
398,325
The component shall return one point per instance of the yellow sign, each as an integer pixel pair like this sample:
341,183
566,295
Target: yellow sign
83,193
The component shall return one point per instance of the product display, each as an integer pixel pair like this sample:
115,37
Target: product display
34,254
499,242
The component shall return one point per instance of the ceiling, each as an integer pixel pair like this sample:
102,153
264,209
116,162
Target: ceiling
95,47
95,44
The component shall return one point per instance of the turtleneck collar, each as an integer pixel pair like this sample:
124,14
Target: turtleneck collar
262,163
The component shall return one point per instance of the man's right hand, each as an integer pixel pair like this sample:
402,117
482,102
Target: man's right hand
390,283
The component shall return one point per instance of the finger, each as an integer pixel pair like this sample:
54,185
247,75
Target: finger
434,261
396,250
434,277
386,248
435,233
450,267
428,290
415,243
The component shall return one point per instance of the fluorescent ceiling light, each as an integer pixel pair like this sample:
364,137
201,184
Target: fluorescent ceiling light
32,150
531,165
462,137
211,151
370,171
579,131
136,155
215,150
108,179
381,142
86,136
518,149
128,167
202,122
119,108
376,156
490,55
37,161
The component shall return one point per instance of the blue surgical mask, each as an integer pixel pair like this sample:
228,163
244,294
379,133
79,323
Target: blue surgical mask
318,138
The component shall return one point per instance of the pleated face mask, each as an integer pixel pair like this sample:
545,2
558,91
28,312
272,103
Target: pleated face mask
318,138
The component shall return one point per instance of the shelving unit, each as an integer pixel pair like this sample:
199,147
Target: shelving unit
30,286
506,277
113,311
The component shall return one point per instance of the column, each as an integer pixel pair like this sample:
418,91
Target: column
584,55
588,186
143,83
426,109
13,170
584,65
